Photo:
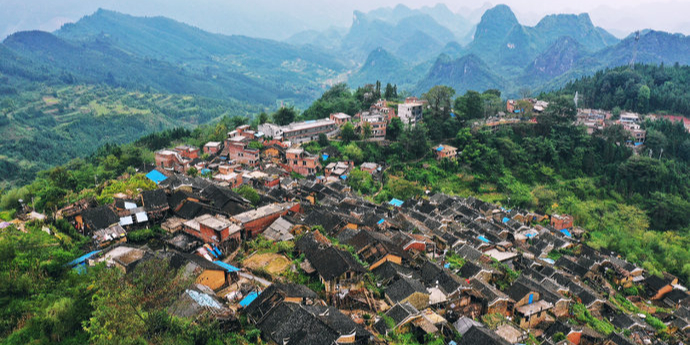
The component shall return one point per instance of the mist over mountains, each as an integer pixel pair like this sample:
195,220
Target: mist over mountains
414,48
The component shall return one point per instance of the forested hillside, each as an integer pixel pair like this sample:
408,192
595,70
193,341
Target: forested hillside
50,125
644,88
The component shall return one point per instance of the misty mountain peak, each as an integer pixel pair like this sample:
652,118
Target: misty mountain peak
499,14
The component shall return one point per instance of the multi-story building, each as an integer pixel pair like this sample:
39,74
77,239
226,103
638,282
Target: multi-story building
187,151
172,160
212,229
377,121
300,132
411,111
302,162
239,151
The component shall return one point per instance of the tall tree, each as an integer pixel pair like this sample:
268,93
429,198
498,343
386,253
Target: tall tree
285,115
439,98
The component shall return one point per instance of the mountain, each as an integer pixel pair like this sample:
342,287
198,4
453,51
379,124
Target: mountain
653,47
368,33
502,41
329,39
384,66
99,61
561,57
466,73
231,64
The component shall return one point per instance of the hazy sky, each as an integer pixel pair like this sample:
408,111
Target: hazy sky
279,19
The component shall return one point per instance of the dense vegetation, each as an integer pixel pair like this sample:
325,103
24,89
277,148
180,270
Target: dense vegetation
629,203
645,88
44,126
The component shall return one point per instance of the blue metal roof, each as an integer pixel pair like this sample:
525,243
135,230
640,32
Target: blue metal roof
324,156
83,258
506,219
452,114
249,299
381,221
344,177
440,148
566,232
227,267
484,239
396,202
156,176
205,171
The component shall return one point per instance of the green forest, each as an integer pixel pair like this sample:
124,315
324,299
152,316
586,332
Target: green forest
631,204
643,89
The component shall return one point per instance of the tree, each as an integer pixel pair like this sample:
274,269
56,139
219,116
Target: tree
439,98
395,127
263,118
192,172
285,116
249,193
347,133
524,92
323,140
353,152
366,130
361,181
415,140
643,95
391,92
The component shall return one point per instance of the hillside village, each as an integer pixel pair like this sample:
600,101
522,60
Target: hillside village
310,261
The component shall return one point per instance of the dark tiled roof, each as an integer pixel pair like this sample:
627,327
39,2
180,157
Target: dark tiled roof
619,339
330,262
481,336
154,200
99,218
398,313
390,270
404,288
275,294
467,252
655,283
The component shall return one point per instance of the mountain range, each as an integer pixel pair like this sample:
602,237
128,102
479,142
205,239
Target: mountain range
42,74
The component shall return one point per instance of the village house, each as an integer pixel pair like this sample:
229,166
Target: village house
276,294
382,107
254,222
187,151
94,219
410,112
376,121
172,161
560,222
340,118
212,229
213,147
369,167
336,268
302,162
445,151
375,248
407,290
239,151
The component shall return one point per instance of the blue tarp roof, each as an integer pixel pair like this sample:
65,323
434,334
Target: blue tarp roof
530,235
156,176
484,239
344,177
549,260
381,221
638,144
249,299
83,258
440,148
452,114
566,232
506,219
324,156
205,171
227,267
396,202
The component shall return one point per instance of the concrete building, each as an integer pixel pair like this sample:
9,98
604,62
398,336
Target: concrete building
300,132
411,111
